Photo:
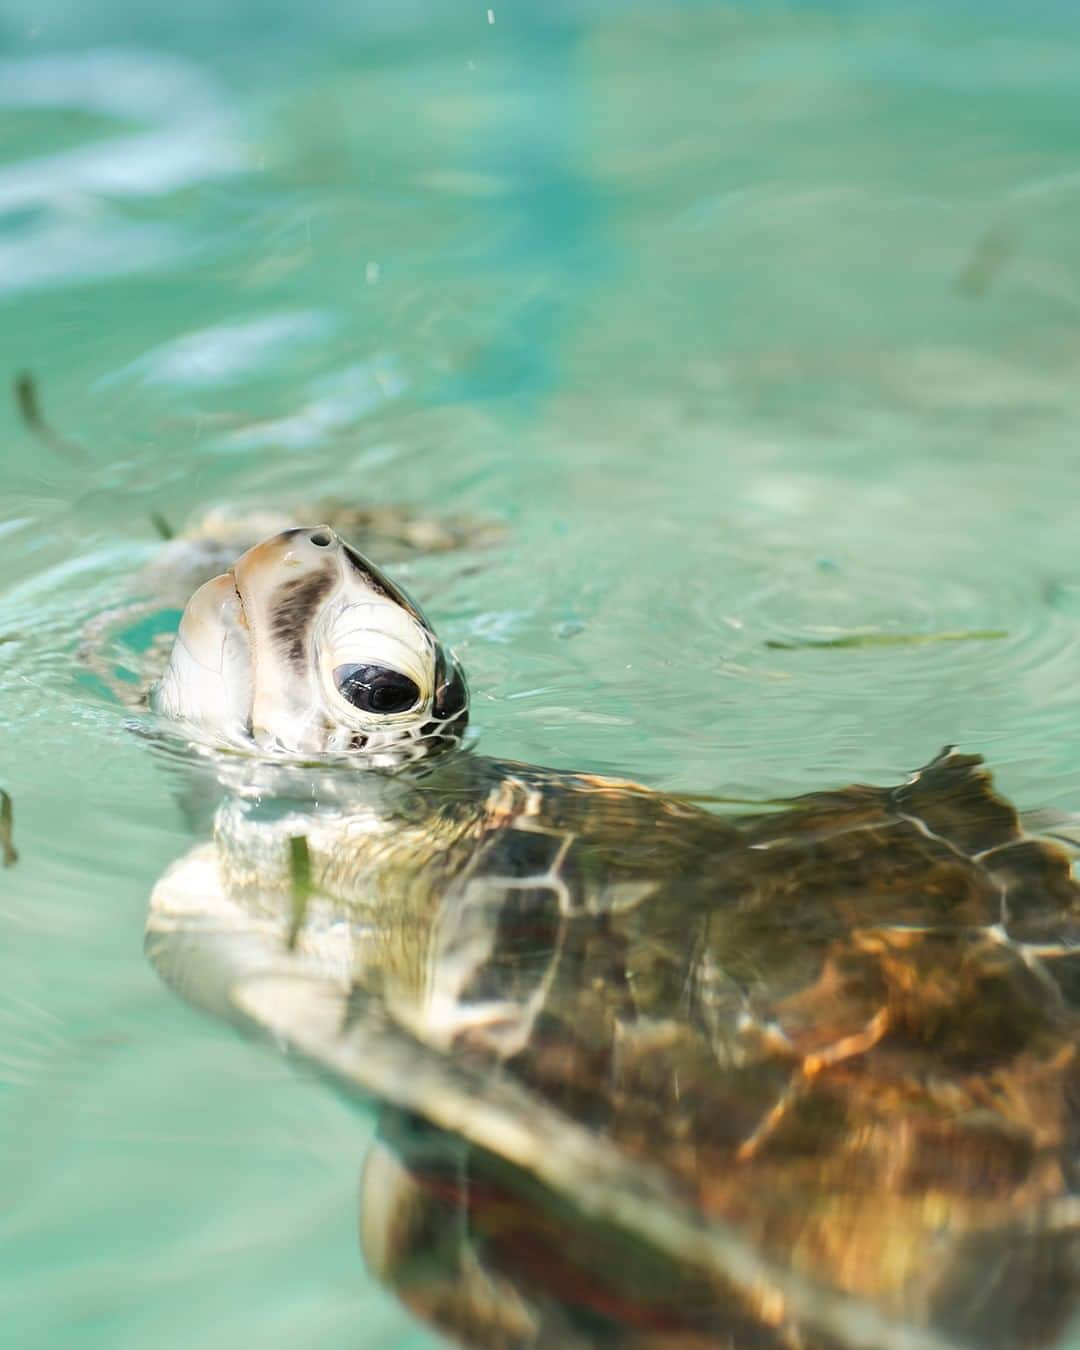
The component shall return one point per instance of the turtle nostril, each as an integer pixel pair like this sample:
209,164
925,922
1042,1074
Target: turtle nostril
320,539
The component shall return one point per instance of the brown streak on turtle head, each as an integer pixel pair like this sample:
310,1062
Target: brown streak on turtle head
292,612
283,584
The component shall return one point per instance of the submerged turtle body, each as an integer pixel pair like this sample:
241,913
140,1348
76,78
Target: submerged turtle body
652,1076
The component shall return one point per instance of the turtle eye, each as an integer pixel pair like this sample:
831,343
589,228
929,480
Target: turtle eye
376,689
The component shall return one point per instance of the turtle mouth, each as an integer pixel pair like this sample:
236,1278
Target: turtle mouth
241,612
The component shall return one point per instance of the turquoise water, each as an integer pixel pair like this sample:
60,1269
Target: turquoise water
755,324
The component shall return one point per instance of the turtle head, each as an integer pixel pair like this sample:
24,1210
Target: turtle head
304,648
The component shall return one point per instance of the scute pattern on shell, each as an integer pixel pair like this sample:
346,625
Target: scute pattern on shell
844,1032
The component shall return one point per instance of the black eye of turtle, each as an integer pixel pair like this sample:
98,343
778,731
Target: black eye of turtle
376,689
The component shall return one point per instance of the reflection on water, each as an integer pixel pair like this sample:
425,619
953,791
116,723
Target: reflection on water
754,325
59,207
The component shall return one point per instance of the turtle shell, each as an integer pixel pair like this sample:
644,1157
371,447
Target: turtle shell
653,1076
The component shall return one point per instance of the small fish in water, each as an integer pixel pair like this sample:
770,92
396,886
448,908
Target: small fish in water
993,251
7,826
887,639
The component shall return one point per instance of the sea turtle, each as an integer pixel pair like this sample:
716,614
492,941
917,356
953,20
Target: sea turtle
651,1075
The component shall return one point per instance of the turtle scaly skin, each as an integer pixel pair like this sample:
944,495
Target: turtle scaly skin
653,1076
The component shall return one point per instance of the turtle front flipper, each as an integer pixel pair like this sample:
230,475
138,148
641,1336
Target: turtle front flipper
953,798
418,1237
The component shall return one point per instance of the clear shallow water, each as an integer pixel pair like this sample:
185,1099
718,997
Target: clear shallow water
755,325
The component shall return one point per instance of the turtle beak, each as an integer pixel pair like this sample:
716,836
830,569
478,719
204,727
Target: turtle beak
282,584
208,680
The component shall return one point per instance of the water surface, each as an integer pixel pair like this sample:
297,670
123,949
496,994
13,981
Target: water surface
756,325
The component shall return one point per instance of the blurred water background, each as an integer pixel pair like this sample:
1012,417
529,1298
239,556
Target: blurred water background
756,324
